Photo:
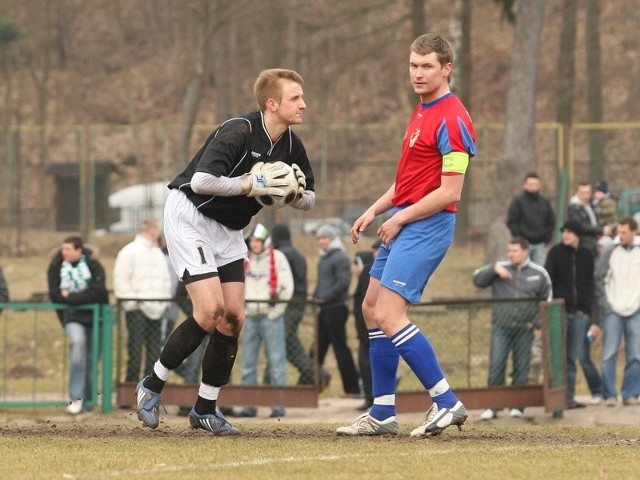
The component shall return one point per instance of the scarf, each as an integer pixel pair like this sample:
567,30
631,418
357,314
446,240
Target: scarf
273,275
75,278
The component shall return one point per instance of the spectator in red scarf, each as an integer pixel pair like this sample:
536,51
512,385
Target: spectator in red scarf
268,280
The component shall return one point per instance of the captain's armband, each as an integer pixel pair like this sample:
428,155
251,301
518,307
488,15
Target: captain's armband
455,162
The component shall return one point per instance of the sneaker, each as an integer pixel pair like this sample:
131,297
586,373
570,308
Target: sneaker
148,406
574,404
437,420
213,422
325,380
277,412
367,425
595,399
75,407
488,414
248,412
630,401
516,413
611,402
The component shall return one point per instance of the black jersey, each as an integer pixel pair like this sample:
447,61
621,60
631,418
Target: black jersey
230,151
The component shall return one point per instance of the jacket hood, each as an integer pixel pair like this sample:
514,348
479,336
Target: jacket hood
280,235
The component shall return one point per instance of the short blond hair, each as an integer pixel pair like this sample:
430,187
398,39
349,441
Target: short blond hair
149,224
269,85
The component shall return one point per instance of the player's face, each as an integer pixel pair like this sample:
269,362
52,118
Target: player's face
290,109
429,79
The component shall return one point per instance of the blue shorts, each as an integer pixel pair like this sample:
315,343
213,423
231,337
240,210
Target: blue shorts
414,254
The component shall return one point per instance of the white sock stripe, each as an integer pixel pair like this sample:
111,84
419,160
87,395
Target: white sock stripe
161,371
439,388
376,334
385,400
208,392
407,335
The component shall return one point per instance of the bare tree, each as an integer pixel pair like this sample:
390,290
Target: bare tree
519,143
597,140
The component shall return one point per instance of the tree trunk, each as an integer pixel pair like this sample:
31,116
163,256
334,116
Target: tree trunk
463,91
519,154
597,140
193,95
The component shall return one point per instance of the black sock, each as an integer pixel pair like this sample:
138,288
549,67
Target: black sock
181,343
218,359
204,406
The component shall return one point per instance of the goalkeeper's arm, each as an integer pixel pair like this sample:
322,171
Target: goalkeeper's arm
261,180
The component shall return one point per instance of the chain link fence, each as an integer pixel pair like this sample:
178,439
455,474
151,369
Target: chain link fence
479,343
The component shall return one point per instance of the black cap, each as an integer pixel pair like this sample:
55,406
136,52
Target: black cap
572,225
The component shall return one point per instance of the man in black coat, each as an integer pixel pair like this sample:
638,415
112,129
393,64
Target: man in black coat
530,216
571,268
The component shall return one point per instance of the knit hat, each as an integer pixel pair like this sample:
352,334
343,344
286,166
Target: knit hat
602,186
260,232
573,226
326,231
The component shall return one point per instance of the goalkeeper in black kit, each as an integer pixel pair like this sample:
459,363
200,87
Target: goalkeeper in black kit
210,203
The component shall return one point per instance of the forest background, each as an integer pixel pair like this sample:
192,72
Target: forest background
102,80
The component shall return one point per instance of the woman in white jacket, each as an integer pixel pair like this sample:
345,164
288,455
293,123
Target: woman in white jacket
268,277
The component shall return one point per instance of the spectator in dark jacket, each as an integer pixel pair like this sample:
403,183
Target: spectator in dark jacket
530,216
75,278
361,266
571,268
4,289
580,210
332,293
296,354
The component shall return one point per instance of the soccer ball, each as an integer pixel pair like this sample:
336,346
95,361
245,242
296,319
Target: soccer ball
290,191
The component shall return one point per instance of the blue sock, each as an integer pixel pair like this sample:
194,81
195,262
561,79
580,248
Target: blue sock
421,358
384,359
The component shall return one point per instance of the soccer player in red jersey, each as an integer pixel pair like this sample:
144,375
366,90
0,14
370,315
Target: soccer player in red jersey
437,146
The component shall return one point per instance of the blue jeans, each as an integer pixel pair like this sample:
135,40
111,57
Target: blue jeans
614,326
579,350
517,340
80,340
255,331
538,253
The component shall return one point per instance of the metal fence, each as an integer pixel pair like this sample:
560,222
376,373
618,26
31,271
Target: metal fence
34,364
480,343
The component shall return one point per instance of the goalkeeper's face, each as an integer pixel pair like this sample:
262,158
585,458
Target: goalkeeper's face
291,107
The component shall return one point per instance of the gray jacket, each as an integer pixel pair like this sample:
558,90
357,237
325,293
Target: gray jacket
334,278
528,281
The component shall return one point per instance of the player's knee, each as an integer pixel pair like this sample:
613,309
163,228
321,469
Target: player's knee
234,323
208,318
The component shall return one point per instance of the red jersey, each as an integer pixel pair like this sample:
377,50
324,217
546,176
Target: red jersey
435,129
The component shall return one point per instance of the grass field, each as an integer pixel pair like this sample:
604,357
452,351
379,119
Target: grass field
105,447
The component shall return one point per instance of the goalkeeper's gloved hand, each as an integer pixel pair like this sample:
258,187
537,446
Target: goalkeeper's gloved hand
263,180
302,180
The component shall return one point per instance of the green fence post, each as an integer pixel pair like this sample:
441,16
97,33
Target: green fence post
107,356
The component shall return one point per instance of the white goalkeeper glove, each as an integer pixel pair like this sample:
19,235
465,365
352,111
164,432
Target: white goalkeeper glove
263,180
302,180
